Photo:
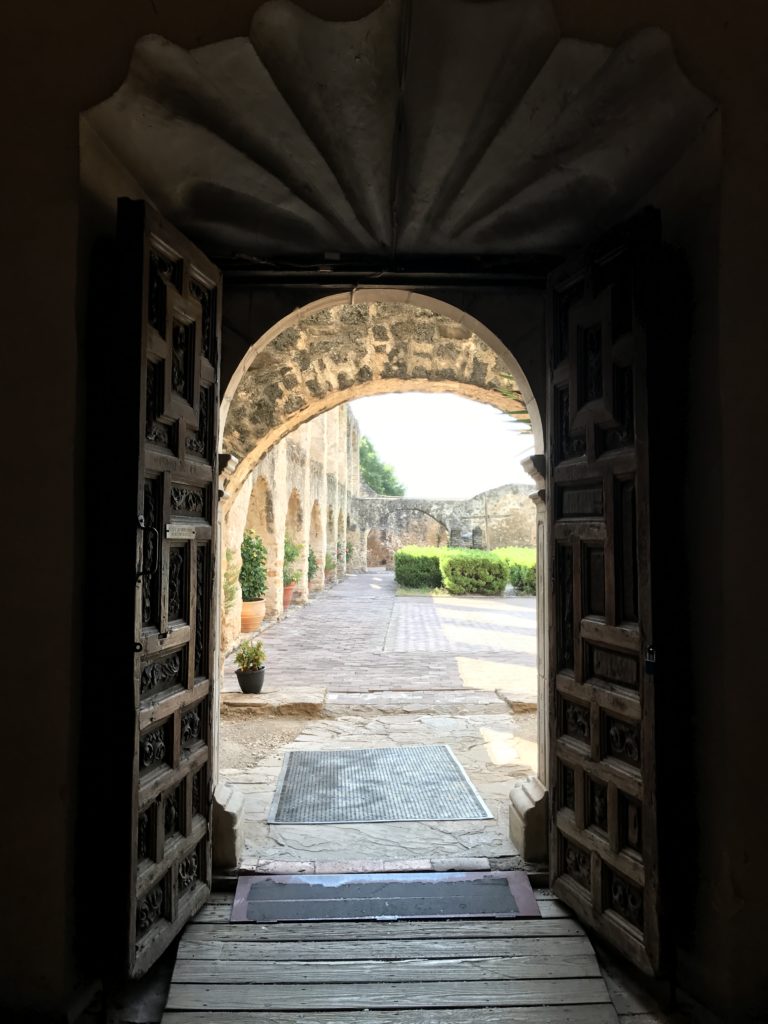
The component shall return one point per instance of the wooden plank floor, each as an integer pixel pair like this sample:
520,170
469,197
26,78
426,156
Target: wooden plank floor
394,972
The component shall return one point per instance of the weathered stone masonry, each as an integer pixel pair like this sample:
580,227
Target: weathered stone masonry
299,489
307,487
502,517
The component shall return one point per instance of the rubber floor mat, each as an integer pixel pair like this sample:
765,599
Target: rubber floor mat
409,896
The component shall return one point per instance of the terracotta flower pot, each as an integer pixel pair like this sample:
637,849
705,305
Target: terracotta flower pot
252,615
250,682
288,594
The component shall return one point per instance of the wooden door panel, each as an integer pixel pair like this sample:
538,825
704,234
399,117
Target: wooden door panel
603,856
170,316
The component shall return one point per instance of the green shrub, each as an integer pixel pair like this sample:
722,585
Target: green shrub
466,570
523,578
521,568
312,564
418,568
253,574
291,552
472,572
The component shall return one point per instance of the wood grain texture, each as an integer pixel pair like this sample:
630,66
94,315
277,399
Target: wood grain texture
603,848
348,931
248,972
384,949
528,971
590,1013
546,992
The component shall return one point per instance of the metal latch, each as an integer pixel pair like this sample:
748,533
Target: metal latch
650,660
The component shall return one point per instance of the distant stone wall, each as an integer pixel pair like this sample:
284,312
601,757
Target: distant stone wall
502,517
307,488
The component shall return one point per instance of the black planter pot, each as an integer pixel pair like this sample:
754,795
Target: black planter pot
250,682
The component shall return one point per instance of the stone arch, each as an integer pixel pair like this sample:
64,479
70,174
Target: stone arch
261,520
294,523
294,517
317,544
296,370
378,548
330,537
341,544
393,523
253,510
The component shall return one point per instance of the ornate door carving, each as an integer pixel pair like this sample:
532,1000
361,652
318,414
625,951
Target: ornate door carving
603,850
171,320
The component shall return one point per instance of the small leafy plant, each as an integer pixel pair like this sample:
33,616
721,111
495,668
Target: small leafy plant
253,574
291,552
312,564
250,656
330,562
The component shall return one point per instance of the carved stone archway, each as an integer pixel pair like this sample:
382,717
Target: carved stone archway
337,350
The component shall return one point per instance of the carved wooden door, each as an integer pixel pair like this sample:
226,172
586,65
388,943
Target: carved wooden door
171,320
603,849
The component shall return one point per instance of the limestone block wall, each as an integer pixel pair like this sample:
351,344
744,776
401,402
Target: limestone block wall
502,517
308,488
298,490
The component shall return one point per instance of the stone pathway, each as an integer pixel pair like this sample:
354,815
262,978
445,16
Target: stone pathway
396,671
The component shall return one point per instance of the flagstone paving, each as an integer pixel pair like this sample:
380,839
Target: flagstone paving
395,671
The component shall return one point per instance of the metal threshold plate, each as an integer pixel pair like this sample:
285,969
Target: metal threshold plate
384,897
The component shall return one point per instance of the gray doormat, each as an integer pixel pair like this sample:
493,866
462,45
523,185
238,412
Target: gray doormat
424,783
409,896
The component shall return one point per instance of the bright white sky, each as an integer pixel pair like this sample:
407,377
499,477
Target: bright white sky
444,446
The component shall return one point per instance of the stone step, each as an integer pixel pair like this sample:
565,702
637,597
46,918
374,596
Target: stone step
305,701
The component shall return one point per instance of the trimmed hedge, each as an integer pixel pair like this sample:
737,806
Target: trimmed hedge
523,578
418,568
466,570
473,572
521,568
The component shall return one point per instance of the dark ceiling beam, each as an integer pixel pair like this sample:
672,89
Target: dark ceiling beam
348,272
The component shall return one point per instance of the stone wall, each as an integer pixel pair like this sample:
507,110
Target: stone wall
502,517
307,487
353,350
299,490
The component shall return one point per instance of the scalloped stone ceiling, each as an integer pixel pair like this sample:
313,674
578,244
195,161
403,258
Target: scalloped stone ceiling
439,127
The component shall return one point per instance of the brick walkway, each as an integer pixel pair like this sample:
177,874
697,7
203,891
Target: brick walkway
360,636
396,670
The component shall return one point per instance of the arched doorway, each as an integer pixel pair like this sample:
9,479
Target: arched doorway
317,544
368,342
295,534
494,204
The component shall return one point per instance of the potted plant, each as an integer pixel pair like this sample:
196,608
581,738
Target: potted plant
250,658
291,576
253,582
330,568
